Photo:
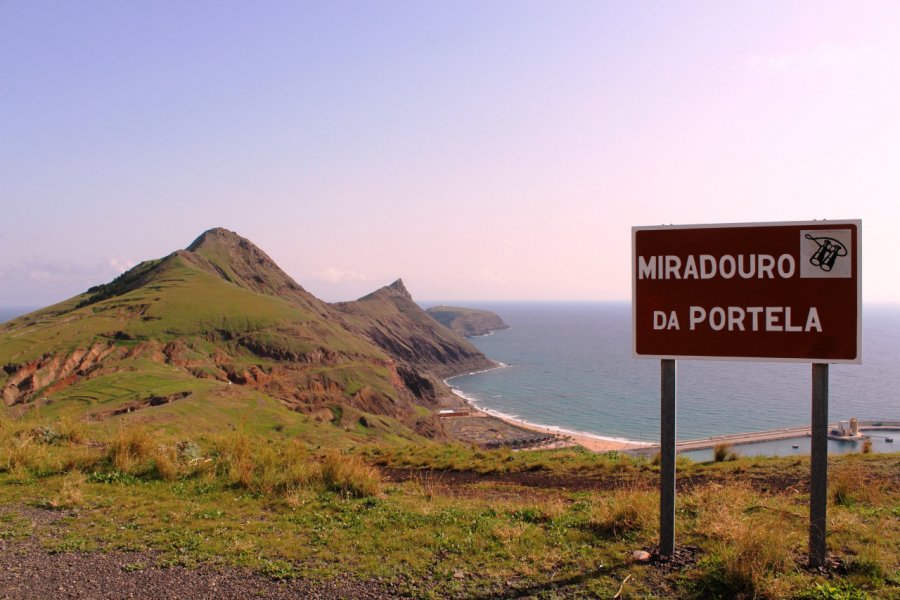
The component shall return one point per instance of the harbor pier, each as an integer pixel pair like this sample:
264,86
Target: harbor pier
767,436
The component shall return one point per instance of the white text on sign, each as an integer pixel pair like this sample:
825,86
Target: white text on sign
740,318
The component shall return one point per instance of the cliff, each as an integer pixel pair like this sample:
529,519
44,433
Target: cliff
467,322
391,320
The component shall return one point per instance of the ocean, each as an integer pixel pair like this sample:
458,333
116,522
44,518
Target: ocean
570,365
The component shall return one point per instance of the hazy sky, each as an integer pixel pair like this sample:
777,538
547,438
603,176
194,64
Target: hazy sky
480,150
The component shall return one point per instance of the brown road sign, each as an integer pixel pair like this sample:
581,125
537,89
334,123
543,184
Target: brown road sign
749,291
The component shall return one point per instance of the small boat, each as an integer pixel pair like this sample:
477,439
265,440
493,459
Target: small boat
889,440
795,446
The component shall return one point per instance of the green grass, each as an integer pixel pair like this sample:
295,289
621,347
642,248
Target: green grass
289,508
180,300
144,379
219,330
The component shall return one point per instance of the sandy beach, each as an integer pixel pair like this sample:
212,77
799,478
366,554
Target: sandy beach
591,442
595,443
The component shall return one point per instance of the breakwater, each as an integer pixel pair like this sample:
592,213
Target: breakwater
769,435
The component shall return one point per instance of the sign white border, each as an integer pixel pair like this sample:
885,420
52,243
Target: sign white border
837,222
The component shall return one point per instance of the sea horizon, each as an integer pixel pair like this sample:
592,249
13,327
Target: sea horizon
535,372
549,379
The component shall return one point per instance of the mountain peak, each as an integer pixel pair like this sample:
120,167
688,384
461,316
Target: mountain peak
240,261
221,252
391,319
216,235
393,291
398,288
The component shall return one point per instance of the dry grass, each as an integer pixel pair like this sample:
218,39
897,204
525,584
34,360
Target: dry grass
755,553
750,542
82,458
131,450
851,483
296,467
235,459
14,447
16,453
71,431
347,474
287,468
752,539
166,464
70,494
44,449
624,512
426,482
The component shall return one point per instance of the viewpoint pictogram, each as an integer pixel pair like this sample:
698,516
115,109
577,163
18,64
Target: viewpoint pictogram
825,253
828,252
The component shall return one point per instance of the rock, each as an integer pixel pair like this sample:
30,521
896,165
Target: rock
641,556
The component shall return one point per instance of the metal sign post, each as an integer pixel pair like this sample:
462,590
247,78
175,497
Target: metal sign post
818,472
748,291
667,458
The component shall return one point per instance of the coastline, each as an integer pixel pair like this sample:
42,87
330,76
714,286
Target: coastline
589,441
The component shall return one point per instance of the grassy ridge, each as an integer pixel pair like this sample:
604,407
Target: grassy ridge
289,508
179,300
164,339
222,331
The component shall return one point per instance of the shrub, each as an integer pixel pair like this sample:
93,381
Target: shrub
236,460
46,435
131,450
723,452
165,463
62,431
82,458
347,474
188,450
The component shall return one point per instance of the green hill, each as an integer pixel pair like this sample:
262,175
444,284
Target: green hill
193,339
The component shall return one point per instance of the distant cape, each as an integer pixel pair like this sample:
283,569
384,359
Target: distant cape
467,322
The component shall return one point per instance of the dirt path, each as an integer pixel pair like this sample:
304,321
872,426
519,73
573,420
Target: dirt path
28,571
456,482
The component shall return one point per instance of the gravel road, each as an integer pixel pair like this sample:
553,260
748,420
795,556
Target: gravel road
28,571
